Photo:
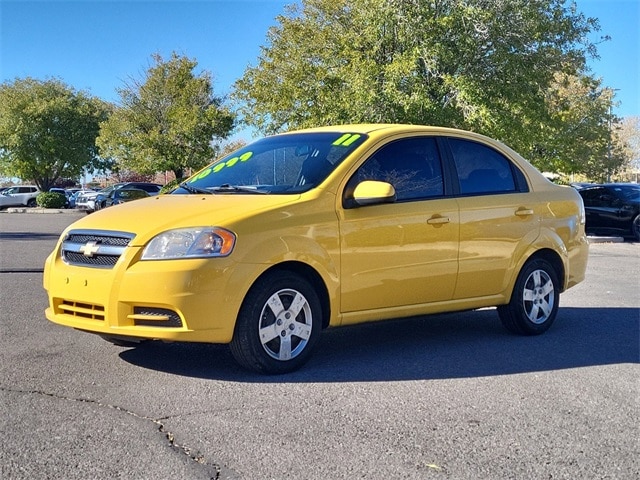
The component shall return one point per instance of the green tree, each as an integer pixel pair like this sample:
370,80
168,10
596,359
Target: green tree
48,131
486,66
627,140
167,121
580,136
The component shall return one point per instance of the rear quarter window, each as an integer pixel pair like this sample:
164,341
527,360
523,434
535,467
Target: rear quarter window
483,170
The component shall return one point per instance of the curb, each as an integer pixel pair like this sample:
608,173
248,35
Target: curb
39,210
596,239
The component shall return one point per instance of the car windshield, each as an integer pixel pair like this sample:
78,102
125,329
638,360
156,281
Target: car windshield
288,163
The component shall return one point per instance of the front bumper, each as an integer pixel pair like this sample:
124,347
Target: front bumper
88,207
194,300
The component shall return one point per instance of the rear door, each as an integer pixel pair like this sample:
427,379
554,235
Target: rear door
497,217
23,195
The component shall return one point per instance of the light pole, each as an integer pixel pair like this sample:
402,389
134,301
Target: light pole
609,153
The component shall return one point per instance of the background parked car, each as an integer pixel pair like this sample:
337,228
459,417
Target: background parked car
72,194
86,200
62,191
100,200
613,208
22,195
122,195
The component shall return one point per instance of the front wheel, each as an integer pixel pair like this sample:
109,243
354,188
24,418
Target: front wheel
534,300
278,324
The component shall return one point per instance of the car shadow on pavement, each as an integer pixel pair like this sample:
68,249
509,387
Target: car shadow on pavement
457,345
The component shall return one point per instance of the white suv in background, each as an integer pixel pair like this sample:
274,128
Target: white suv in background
86,200
19,196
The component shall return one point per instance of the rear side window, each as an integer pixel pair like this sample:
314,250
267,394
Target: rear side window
481,169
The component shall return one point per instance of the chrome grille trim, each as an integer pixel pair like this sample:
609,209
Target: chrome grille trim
94,248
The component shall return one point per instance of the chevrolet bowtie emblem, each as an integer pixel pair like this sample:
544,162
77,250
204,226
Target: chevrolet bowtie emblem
89,249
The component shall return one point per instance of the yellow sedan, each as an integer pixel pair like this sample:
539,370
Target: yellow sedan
319,228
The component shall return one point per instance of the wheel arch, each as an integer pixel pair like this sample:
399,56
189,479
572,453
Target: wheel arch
554,259
312,276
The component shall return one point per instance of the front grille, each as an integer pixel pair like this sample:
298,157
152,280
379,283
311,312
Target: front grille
120,239
74,258
155,317
94,248
82,310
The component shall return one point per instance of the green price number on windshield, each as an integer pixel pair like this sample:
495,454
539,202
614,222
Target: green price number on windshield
222,165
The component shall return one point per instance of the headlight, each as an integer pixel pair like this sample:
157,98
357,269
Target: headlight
196,242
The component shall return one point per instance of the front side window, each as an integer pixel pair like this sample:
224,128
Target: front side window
286,164
481,169
412,166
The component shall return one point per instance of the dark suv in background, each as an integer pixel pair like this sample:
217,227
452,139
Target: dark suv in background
613,209
150,188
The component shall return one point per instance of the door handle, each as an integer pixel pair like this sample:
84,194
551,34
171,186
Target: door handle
524,212
438,220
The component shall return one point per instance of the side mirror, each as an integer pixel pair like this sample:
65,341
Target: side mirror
371,192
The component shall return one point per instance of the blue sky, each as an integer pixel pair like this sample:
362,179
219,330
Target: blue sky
97,45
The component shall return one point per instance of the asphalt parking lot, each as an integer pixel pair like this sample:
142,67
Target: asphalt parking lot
445,397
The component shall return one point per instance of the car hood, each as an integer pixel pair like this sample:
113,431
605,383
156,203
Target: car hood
150,216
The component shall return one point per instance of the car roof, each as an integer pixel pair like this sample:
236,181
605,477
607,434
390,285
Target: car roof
610,185
368,128
383,129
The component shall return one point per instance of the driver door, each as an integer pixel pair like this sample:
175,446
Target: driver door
403,253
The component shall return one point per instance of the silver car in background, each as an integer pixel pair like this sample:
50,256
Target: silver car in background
85,200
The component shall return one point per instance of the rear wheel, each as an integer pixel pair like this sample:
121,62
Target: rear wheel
278,324
31,203
534,300
636,228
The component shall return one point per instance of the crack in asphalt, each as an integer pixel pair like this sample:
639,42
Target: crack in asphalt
184,449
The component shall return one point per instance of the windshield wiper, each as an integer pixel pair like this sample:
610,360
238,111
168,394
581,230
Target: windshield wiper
224,188
192,189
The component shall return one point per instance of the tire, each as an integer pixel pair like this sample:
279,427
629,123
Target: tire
278,325
31,203
635,228
534,300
